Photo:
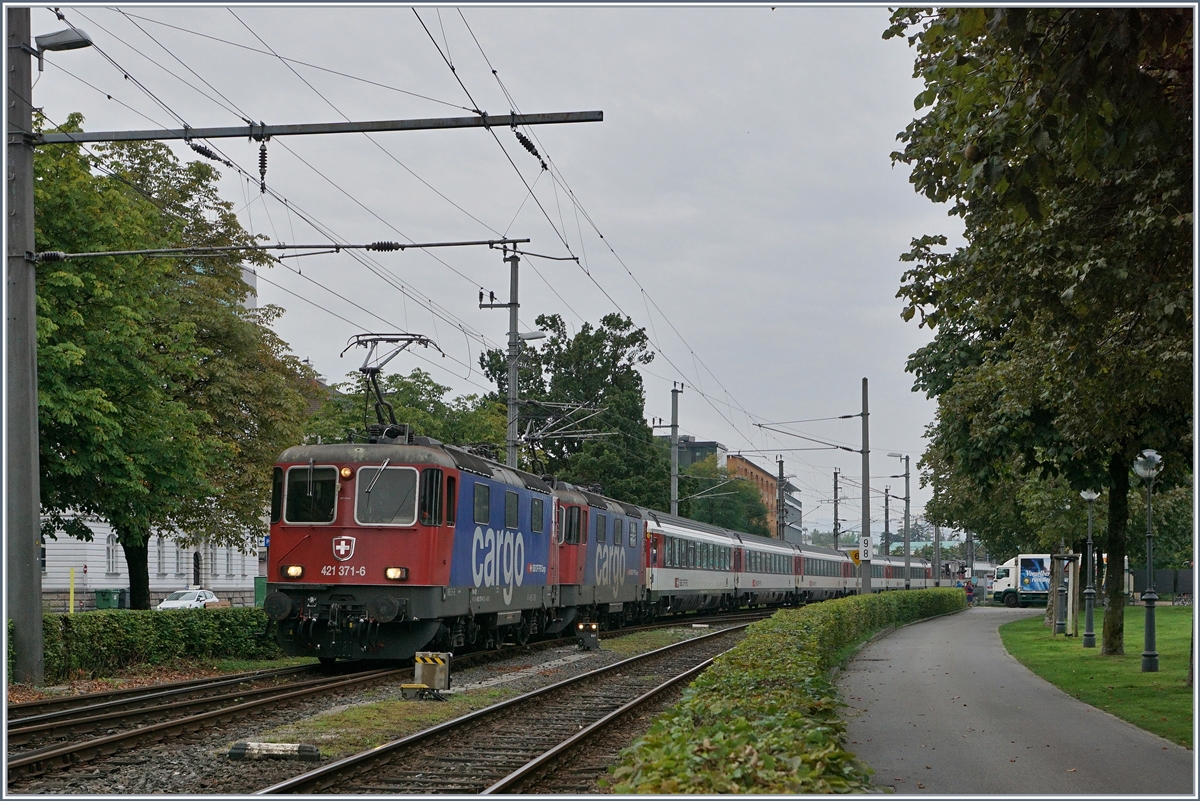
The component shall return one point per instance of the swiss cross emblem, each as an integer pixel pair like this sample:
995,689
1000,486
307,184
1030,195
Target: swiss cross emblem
343,548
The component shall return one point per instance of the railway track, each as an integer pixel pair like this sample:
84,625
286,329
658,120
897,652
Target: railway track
503,747
106,735
53,735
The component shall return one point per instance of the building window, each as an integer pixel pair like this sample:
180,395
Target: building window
228,561
212,559
111,555
178,560
42,552
162,565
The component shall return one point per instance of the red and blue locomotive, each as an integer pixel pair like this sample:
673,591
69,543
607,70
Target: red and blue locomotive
380,548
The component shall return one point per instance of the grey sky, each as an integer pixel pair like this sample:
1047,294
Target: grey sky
741,175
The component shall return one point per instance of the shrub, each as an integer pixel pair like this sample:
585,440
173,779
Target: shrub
764,718
102,642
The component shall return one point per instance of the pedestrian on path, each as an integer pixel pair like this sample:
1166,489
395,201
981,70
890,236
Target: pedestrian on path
970,593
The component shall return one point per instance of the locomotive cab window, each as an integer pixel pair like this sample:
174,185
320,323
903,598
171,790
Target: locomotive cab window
618,531
386,497
431,497
537,515
601,527
276,494
451,499
512,510
633,534
483,504
311,495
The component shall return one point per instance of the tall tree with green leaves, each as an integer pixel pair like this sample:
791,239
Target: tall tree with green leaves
162,399
723,501
1063,328
418,401
595,368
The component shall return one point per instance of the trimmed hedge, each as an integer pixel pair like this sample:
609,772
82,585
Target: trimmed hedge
764,718
99,643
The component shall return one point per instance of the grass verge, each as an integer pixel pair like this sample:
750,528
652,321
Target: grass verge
1157,702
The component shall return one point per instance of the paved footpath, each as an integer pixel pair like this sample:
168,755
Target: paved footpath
941,708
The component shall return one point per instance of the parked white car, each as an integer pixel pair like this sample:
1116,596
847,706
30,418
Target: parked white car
188,599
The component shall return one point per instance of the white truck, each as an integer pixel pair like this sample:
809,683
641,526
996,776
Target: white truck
1023,580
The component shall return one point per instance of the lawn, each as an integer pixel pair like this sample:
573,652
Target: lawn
1157,702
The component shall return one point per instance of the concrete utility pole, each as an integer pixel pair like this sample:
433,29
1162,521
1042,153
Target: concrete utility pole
514,354
836,522
781,514
887,534
907,536
865,549
23,485
937,555
675,393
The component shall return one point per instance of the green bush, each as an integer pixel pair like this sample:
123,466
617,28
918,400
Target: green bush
102,642
764,718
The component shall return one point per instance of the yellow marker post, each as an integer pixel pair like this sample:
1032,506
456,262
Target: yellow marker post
854,557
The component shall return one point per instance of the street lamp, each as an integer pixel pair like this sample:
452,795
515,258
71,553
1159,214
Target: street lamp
1147,466
1089,634
907,536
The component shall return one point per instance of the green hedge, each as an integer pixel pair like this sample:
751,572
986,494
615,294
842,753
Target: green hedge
764,718
100,643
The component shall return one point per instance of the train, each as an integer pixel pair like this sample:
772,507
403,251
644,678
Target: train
382,548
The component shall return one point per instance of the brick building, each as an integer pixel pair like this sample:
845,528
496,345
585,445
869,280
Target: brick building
766,483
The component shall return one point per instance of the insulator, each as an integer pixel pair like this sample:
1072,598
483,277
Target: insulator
262,168
205,151
52,255
385,246
528,145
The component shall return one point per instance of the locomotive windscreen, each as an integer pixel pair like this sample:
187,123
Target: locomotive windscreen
392,499
311,494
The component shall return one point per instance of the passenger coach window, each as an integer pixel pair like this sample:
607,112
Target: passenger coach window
483,504
431,497
537,515
601,527
451,499
276,494
311,494
512,510
392,500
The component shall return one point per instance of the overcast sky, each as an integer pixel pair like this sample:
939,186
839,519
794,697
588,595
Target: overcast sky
741,181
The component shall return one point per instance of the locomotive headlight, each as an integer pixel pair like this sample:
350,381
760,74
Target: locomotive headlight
346,472
292,571
396,573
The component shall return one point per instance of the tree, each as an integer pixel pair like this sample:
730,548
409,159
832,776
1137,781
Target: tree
1063,330
419,401
596,370
162,400
728,502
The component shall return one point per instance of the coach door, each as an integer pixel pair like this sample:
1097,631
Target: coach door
572,543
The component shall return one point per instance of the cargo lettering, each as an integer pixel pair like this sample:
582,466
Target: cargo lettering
497,558
610,564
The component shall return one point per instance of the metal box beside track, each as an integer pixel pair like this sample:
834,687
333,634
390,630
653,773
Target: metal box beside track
432,668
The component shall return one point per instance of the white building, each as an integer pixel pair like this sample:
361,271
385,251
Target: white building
100,565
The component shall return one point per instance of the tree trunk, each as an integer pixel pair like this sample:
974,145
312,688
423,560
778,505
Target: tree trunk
1052,596
137,558
1113,640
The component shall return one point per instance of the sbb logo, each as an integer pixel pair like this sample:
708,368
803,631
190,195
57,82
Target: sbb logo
497,558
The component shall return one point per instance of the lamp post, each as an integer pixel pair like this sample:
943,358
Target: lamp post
1089,595
1147,466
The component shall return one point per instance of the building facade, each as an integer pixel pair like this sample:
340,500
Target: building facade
71,564
766,483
